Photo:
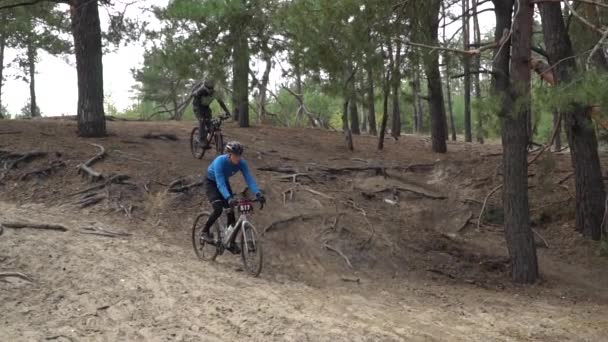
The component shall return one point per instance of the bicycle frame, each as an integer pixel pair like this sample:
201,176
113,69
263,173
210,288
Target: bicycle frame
230,232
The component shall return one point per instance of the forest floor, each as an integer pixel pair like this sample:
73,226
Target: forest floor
418,271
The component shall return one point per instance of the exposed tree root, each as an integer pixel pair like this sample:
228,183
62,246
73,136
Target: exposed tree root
334,249
45,171
278,169
485,203
274,224
86,167
102,232
34,225
179,185
10,132
161,136
16,275
11,160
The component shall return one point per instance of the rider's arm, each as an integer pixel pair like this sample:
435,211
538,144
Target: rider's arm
248,178
223,105
221,181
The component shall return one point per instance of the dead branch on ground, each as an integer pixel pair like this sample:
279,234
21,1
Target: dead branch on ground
102,232
11,160
10,132
485,202
334,249
86,167
466,222
34,225
308,216
161,136
45,171
16,275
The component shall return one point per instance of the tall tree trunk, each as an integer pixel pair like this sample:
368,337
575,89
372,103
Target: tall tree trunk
264,86
353,110
396,117
590,194
347,133
446,58
557,125
371,110
416,97
2,46
385,95
31,62
477,80
466,62
439,132
241,76
512,84
86,30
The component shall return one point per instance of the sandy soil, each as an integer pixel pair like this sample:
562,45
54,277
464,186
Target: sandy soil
420,276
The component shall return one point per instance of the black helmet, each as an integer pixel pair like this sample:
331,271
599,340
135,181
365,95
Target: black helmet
234,147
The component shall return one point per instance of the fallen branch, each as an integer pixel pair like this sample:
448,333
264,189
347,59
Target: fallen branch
16,275
291,219
333,249
278,169
90,199
86,169
102,232
294,177
11,160
541,237
10,132
485,202
563,180
33,225
318,193
43,172
161,136
466,222
178,185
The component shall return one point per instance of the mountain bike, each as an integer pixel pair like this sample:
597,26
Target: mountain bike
240,238
214,137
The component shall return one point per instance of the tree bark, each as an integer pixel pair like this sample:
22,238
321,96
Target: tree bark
264,85
241,76
2,46
511,83
446,58
477,80
86,30
416,98
466,62
371,110
385,95
590,193
396,117
31,63
557,144
435,92
352,106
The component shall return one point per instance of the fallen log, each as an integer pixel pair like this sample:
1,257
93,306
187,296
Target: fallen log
34,225
161,136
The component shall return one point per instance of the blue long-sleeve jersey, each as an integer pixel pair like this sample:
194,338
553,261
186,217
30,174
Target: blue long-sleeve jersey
221,169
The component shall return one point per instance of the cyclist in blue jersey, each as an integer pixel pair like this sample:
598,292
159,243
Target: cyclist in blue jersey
218,188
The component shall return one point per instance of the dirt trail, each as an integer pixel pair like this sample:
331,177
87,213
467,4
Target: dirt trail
425,275
91,288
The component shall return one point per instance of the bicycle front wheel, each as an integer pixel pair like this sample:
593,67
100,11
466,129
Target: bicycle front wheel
203,249
251,249
219,143
197,150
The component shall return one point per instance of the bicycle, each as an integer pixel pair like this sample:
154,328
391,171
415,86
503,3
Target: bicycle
241,238
214,136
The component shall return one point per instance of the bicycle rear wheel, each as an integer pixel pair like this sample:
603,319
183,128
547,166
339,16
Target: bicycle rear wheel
203,249
197,150
251,249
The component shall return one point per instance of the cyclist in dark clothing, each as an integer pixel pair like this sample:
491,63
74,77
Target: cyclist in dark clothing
203,96
217,186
